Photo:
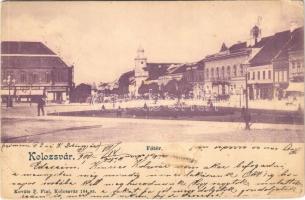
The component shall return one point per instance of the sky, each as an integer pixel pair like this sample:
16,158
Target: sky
101,38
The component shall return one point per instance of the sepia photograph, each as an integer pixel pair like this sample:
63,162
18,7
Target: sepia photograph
152,99
85,71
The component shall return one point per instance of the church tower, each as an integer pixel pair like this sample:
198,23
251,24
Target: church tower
140,73
140,62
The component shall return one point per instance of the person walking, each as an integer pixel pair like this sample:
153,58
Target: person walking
40,105
119,112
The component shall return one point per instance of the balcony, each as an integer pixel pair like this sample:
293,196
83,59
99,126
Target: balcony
220,80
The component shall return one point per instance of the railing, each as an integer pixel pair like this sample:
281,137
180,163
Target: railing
219,79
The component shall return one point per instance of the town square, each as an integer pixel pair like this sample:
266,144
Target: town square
55,88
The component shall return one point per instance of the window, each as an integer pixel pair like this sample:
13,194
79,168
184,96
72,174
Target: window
212,72
48,77
35,78
285,79
253,75
9,73
276,76
269,74
298,67
248,75
241,68
264,75
228,71
22,77
222,71
293,65
207,73
58,76
258,75
234,70
217,72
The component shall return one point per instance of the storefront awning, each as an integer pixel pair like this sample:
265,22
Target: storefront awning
29,92
22,92
295,87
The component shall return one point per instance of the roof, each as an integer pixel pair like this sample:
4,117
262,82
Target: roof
125,79
155,70
223,47
238,49
295,43
261,42
32,62
180,69
23,47
237,46
183,68
271,48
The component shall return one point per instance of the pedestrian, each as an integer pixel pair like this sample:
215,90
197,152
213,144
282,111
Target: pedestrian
145,106
119,112
40,105
146,110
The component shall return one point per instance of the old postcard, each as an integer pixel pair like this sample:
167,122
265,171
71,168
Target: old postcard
151,100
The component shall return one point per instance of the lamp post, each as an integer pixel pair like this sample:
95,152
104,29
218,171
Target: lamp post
9,82
246,113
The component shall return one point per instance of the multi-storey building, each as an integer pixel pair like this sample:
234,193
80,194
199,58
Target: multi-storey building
289,65
194,75
225,71
31,69
273,66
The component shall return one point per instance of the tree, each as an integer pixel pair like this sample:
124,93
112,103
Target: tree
184,87
153,87
143,89
172,87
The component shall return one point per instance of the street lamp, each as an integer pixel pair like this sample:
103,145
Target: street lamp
246,113
9,82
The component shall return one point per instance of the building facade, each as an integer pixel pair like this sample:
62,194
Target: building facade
31,69
194,75
275,65
225,71
289,66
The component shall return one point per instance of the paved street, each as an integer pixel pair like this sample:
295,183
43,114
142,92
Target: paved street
19,124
